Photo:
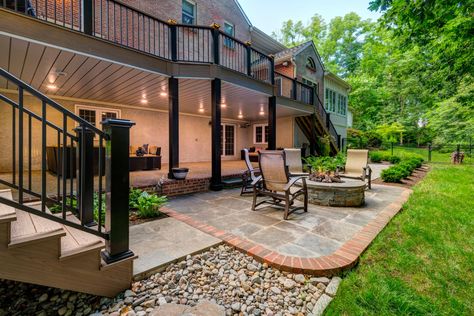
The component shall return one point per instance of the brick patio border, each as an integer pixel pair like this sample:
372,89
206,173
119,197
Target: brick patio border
343,258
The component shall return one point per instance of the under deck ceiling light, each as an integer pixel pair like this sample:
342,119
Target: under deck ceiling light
52,87
262,112
201,110
144,101
223,105
163,94
240,116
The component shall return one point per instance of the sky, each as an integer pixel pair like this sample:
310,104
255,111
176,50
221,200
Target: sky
269,15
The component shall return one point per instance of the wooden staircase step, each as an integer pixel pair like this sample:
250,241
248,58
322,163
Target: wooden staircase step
77,242
7,213
29,228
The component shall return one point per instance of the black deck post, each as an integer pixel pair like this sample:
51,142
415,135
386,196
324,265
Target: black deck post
85,175
173,39
173,124
88,16
272,123
216,43
216,179
117,189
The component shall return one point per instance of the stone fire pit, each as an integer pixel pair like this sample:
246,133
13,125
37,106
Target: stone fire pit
346,194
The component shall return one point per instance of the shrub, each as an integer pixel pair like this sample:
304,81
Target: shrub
392,174
148,205
133,197
326,163
394,159
376,156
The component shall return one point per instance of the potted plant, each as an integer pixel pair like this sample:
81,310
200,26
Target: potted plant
180,173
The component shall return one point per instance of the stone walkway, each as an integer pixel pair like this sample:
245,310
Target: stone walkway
334,236
161,242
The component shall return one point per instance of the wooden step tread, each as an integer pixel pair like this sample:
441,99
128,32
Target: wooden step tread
7,213
29,228
77,241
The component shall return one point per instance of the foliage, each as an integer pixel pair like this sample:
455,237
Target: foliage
133,197
403,168
326,163
412,67
390,132
421,263
57,208
148,205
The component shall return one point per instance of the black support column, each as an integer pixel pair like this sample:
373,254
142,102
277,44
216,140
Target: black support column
173,124
272,123
216,178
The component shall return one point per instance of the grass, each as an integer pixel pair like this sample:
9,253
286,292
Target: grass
436,156
422,263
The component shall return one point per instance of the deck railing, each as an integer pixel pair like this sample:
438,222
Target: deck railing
293,89
125,25
73,142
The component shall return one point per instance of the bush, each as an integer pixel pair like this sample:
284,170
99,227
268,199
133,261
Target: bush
392,174
326,163
376,156
394,159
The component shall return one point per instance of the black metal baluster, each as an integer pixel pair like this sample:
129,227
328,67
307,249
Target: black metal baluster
59,153
64,164
101,21
121,26
43,156
13,145
126,20
72,172
101,163
107,16
64,14
30,145
20,145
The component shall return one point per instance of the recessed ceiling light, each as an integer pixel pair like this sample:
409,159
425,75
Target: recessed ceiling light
201,110
262,112
164,94
52,87
223,105
240,116
144,101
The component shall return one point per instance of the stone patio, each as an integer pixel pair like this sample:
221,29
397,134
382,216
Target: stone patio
333,235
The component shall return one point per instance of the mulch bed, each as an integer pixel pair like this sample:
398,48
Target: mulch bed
409,182
135,220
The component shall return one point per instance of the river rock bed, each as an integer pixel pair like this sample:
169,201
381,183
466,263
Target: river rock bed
228,278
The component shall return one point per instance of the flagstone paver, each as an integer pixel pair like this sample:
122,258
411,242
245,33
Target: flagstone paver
322,241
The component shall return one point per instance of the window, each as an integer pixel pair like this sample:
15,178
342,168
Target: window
260,133
95,115
189,12
228,139
229,29
310,63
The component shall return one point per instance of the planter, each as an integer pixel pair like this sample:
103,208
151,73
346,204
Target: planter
180,173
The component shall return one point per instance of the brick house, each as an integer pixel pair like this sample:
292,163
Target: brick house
84,82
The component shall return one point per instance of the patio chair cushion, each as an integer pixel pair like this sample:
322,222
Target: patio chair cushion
145,148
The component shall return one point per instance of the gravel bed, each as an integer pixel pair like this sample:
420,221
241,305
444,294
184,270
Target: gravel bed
221,276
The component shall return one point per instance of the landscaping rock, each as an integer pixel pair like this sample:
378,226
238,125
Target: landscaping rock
331,289
321,304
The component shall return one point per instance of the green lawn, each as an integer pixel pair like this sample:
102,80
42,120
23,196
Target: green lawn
422,263
436,156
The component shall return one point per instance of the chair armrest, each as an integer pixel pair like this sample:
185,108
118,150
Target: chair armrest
293,181
257,180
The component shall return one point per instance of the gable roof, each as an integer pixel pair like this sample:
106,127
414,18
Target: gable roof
243,13
291,52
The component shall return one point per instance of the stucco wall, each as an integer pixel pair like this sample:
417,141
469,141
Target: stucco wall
151,128
284,132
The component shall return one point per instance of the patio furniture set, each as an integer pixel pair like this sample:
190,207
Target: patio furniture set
281,178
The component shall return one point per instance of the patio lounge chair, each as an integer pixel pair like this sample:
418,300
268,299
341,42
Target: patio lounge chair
277,183
357,166
294,162
250,176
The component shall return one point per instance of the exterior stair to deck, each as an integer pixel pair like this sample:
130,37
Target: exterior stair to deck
312,128
37,250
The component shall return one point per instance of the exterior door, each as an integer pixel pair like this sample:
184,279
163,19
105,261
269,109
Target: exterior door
227,140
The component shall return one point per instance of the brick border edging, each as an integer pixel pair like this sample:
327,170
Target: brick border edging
343,258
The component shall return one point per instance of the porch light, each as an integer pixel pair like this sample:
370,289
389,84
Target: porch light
52,87
144,101
163,94
240,116
262,112
223,105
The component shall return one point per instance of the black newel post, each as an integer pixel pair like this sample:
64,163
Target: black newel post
339,143
216,178
249,59
216,43
272,69
173,124
272,123
173,39
328,120
294,90
85,175
88,16
117,189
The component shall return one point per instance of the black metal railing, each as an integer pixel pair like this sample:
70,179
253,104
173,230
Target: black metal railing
293,89
326,119
45,132
122,24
